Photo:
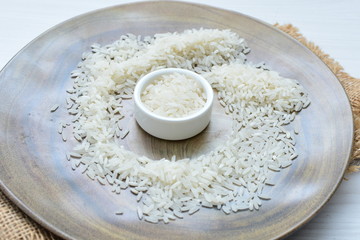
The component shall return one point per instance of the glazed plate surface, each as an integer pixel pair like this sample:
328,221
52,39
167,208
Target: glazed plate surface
36,176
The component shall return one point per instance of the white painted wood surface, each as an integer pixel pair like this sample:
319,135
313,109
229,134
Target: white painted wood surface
333,25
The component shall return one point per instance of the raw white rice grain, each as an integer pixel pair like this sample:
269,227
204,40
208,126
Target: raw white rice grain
54,108
139,213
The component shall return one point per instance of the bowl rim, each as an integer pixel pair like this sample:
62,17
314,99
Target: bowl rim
146,79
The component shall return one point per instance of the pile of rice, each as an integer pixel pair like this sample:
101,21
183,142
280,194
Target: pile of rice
174,95
232,176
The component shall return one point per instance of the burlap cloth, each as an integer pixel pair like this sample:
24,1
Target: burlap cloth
14,224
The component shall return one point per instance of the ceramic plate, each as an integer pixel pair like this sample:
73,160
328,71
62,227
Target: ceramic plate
36,176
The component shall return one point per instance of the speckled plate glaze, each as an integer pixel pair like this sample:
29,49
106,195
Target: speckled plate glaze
36,176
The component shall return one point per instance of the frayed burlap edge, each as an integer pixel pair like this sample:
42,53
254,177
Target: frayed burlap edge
14,224
351,85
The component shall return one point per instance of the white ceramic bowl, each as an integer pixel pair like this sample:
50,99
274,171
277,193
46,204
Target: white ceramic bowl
167,127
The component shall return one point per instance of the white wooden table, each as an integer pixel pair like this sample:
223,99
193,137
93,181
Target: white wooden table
333,25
